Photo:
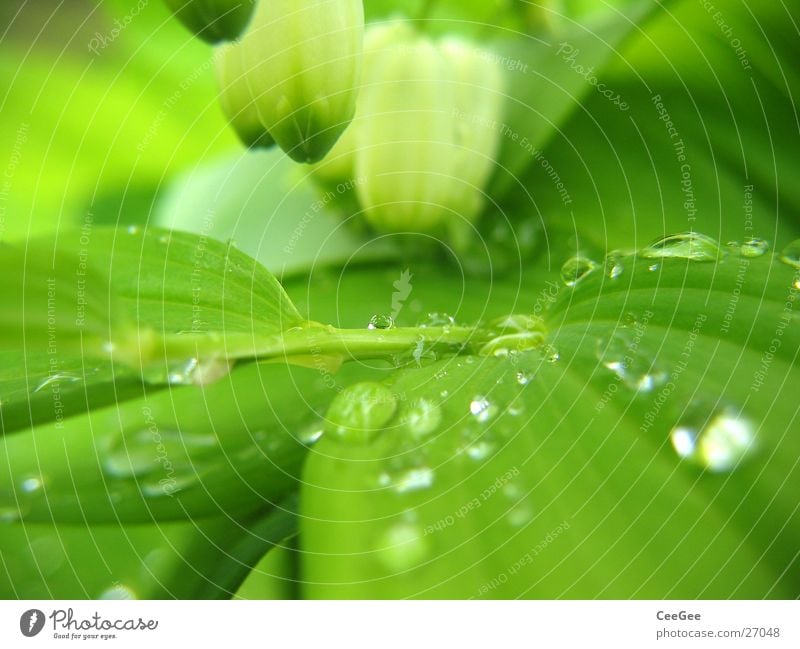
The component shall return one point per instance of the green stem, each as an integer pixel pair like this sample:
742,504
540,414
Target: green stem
315,340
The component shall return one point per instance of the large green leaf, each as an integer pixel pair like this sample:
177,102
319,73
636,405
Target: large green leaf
615,461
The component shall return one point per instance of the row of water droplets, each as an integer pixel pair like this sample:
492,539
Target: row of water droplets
690,246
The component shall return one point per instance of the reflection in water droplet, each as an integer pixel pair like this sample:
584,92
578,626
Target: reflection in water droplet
414,480
360,412
753,247
686,245
379,321
57,377
717,440
482,409
118,592
615,263
310,434
550,354
422,417
790,255
632,366
402,547
523,378
576,269
480,450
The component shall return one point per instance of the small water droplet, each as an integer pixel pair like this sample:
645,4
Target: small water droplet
577,268
550,354
480,450
790,255
402,547
414,480
716,439
653,267
118,591
753,247
632,366
359,412
422,417
379,321
133,229
31,484
482,409
615,263
310,434
523,377
686,245
438,320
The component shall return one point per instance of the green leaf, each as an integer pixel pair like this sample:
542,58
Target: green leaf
616,461
231,448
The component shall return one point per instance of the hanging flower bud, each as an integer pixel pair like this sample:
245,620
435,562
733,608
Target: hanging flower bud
339,165
303,61
479,109
236,98
213,20
404,161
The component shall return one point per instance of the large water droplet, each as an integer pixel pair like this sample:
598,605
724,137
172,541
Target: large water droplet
791,254
717,440
634,368
686,245
482,409
577,268
359,413
380,321
615,263
422,417
513,334
402,547
753,247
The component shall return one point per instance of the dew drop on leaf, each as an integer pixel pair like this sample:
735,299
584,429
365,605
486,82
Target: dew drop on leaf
577,268
633,367
482,409
716,439
31,484
615,264
379,321
359,412
686,245
422,417
790,255
753,247
416,479
118,591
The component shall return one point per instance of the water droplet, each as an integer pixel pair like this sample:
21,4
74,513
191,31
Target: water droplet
414,480
523,377
513,334
118,591
576,269
422,417
438,320
359,412
31,484
381,322
482,409
753,247
310,434
615,263
716,439
791,254
133,229
480,450
630,364
402,547
57,377
653,267
550,354
516,323
686,245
